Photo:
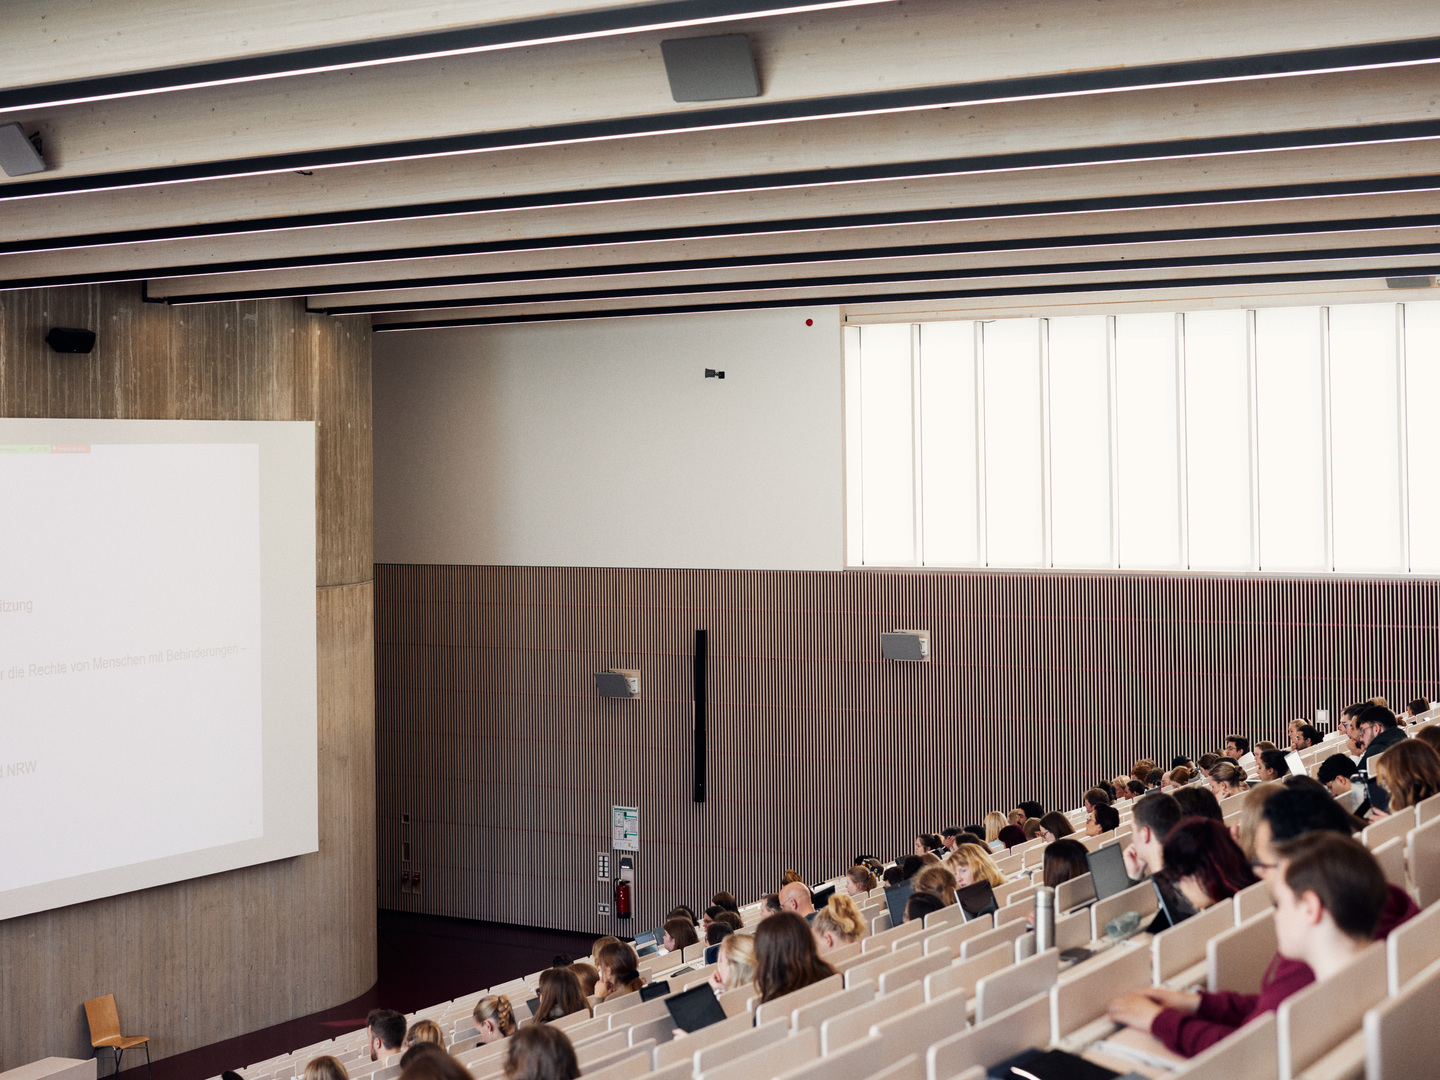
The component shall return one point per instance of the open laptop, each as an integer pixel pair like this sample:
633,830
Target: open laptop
977,900
1107,870
1173,906
896,897
696,1008
653,990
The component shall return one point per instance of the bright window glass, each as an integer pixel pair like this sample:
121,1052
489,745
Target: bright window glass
1014,443
1274,439
1080,441
949,444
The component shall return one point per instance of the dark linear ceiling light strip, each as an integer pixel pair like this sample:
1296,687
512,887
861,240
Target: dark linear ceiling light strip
857,222
822,258
809,178
622,19
955,95
1095,266
895,298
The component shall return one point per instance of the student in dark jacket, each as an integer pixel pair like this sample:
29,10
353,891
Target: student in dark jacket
1376,728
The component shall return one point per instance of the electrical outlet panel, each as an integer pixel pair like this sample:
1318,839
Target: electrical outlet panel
602,908
603,863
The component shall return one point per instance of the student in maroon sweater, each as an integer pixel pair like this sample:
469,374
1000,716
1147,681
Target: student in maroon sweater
1189,1023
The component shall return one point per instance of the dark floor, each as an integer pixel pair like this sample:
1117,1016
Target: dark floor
422,959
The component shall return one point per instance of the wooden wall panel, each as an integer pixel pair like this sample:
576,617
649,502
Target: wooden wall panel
492,739
204,960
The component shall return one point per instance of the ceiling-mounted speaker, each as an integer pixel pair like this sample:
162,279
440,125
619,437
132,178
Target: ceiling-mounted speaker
710,68
905,645
1409,282
18,155
70,341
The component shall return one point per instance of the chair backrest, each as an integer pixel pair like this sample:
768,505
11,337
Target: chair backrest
694,952
853,1025
954,915
924,1024
1084,997
844,952
1250,1052
1139,899
737,1001
1010,888
910,1067
1071,894
858,1061
817,1012
1387,829
1422,851
1183,944
1237,959
103,1018
953,937
599,1046
1014,912
1427,810
631,1067
968,972
738,1045
683,1050
637,1011
784,1005
915,971
995,1040
1021,896
1391,857
1015,984
1072,931
800,1047
1412,947
1251,901
1400,1032
660,1029
871,969
1315,1020
984,942
640,1051
886,939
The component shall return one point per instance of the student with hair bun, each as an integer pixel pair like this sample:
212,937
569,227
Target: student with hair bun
494,1018
859,880
619,969
424,1031
840,923
1227,778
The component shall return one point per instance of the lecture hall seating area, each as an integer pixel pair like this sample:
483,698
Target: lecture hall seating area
944,998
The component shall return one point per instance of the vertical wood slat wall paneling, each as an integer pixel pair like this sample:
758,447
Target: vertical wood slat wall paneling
495,743
203,960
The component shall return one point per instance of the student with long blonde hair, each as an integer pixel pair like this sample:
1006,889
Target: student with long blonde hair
972,863
994,822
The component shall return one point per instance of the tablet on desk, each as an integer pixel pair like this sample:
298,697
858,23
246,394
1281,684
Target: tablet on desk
1107,870
696,1008
896,897
651,991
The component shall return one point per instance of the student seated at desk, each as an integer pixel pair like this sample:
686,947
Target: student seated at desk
1329,893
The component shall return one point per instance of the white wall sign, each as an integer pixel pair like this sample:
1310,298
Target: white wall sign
625,828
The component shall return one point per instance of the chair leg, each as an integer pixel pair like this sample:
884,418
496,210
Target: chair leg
148,1068
118,1055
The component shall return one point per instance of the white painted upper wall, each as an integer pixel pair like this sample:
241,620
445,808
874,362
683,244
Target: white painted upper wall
601,443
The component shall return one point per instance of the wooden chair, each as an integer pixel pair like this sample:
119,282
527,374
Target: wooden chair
104,1023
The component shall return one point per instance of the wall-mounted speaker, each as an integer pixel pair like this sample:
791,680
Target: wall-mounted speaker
617,683
710,68
64,340
18,154
905,645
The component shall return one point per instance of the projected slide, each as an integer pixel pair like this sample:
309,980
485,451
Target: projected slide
130,655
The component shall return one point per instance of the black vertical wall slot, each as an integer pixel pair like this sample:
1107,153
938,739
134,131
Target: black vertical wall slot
700,693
